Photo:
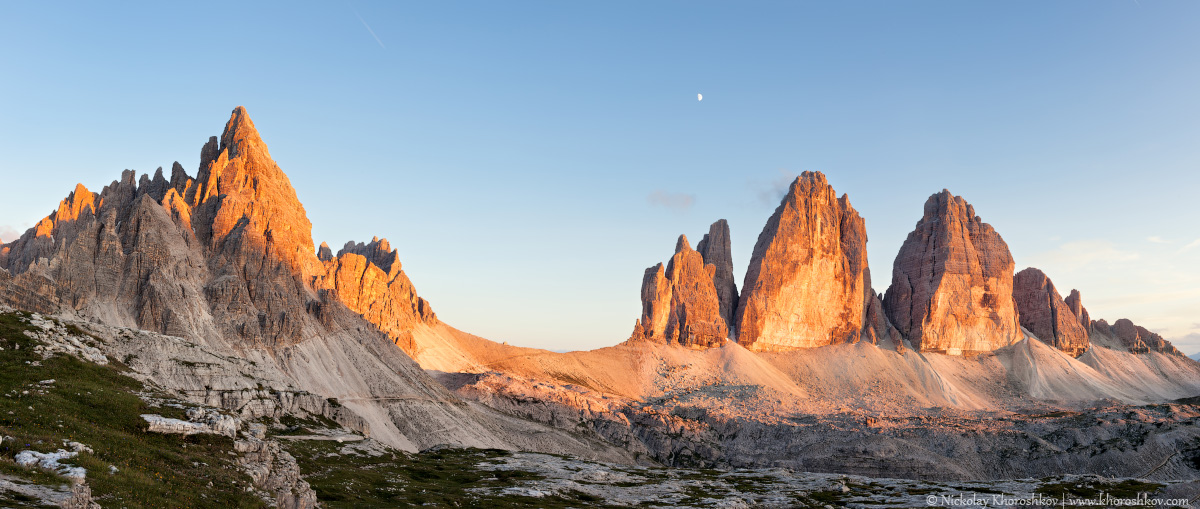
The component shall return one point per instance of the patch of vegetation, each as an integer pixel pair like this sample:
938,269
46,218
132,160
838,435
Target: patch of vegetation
822,498
752,484
1092,488
97,406
442,478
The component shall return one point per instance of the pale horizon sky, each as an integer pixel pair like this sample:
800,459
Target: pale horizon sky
529,160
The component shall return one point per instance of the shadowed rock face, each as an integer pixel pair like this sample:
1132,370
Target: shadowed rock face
807,283
1044,313
714,247
952,282
680,304
1074,303
1135,338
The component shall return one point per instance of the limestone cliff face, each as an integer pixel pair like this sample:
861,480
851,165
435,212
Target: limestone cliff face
807,284
1044,313
681,304
714,247
367,278
952,282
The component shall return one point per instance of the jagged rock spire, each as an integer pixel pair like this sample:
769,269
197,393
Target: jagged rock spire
807,283
1044,313
680,304
952,282
715,249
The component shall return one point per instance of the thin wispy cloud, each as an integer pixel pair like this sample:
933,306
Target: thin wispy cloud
368,27
8,233
771,193
1191,245
678,202
1155,239
1084,255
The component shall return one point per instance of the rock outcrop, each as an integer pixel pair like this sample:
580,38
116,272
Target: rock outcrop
1074,303
714,247
952,282
1135,338
681,304
367,278
807,284
1044,313
877,329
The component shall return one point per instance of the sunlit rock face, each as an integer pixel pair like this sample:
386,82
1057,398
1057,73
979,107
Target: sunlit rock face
368,279
680,304
807,284
229,253
952,282
1043,312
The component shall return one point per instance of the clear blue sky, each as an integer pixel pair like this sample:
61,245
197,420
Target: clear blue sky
529,160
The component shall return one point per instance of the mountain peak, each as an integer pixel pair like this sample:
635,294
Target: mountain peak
240,134
807,281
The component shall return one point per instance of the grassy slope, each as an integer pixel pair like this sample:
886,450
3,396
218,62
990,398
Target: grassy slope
96,405
439,478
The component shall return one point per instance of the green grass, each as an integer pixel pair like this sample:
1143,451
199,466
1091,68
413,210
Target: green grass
96,405
1090,489
439,478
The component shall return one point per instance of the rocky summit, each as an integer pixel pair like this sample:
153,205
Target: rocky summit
208,294
952,282
681,305
807,284
1044,313
714,247
226,261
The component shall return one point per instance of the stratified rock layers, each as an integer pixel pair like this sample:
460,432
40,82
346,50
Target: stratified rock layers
681,304
952,282
807,282
1044,313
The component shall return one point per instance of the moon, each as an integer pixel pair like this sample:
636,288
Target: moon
699,97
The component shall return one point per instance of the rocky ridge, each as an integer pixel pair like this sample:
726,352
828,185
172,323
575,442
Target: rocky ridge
1044,313
1135,338
368,279
226,261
